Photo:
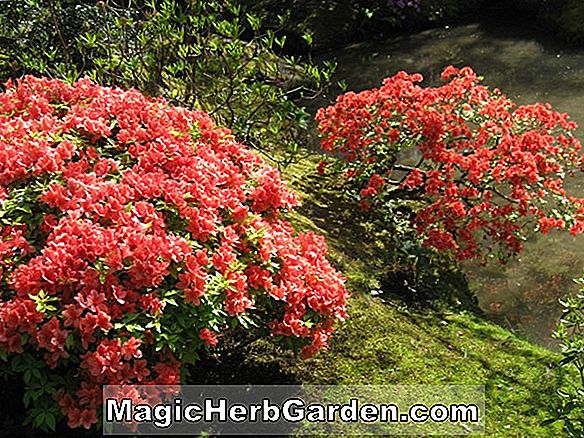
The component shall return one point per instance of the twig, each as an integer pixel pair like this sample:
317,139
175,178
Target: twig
58,29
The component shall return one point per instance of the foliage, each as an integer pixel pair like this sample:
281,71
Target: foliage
563,17
133,234
373,14
381,16
486,174
328,24
571,335
209,55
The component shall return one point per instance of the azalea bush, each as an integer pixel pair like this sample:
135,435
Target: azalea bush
459,167
133,235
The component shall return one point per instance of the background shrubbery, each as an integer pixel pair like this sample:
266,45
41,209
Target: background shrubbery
333,23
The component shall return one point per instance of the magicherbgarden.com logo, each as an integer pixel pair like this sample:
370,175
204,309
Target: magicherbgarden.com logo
302,410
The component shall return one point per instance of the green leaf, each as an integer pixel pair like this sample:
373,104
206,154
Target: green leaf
51,421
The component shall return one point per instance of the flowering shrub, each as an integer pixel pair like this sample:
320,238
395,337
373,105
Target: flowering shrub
487,172
134,233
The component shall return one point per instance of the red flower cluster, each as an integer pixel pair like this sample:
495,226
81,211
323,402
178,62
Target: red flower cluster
487,172
132,233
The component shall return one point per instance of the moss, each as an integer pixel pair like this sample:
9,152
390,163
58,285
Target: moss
385,344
